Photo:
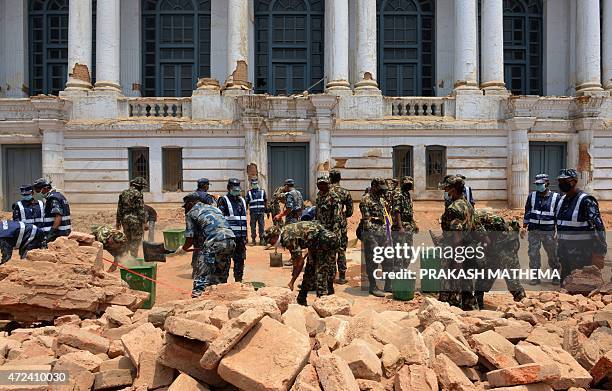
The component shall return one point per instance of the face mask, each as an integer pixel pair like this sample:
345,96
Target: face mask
235,192
27,198
255,187
540,187
565,187
39,196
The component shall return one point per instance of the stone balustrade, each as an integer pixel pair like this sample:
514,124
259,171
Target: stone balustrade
416,106
159,107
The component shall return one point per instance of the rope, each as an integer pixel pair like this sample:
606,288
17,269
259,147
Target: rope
158,282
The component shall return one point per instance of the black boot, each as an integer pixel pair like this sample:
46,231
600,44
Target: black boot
342,278
518,296
480,300
330,287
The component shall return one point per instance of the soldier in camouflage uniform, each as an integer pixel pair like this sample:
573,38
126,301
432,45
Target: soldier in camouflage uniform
328,213
392,185
208,231
373,206
294,203
322,246
275,204
112,240
346,212
131,214
458,225
404,227
501,253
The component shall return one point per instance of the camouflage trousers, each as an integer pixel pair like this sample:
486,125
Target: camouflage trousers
574,254
319,267
499,261
547,240
211,264
341,260
458,292
133,237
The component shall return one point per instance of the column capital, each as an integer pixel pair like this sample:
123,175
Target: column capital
521,124
324,103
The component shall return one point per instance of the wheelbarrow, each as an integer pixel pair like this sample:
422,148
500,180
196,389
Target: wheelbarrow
276,259
154,252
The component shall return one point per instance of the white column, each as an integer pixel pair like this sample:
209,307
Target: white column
366,46
53,155
131,55
237,43
14,37
519,177
108,45
588,45
492,45
607,44
337,52
79,45
466,47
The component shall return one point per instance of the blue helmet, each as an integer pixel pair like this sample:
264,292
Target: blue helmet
309,214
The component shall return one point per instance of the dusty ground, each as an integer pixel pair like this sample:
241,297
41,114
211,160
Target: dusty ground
175,274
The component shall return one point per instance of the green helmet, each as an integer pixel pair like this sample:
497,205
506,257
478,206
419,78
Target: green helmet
139,182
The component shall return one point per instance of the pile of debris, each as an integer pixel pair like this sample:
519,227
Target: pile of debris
234,338
68,278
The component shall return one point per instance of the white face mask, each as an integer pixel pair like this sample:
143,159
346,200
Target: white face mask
540,187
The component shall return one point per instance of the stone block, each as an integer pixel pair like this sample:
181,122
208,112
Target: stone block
415,377
229,335
362,360
450,376
84,359
219,315
523,374
306,380
455,350
83,340
184,382
495,349
145,338
331,305
152,374
245,366
295,318
191,329
112,379
281,295
602,371
121,362
265,304
392,360
335,374
542,336
119,315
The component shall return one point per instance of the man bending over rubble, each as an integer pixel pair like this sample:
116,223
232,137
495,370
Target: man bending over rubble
208,231
16,234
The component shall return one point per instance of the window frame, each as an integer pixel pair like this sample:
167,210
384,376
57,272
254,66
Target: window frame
398,156
431,179
166,184
131,168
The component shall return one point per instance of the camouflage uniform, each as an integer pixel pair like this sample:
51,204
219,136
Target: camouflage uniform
373,222
113,240
131,216
393,189
401,202
216,241
501,254
277,198
329,214
322,245
458,216
294,203
347,204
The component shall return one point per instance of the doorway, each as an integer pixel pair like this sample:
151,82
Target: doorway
289,160
22,165
546,158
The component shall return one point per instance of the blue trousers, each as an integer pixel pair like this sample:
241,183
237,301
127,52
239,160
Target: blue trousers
257,219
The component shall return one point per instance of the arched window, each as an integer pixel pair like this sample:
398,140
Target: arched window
176,43
406,47
48,46
523,46
288,46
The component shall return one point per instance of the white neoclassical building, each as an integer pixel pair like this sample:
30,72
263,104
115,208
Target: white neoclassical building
95,92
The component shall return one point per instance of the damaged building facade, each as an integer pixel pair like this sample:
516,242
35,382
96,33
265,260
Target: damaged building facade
93,93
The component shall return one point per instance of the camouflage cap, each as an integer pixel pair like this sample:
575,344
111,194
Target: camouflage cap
541,178
323,179
289,182
407,180
378,181
334,173
139,181
450,181
271,232
568,173
191,197
461,176
41,182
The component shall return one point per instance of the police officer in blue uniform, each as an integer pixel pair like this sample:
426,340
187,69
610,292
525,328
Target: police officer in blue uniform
539,220
257,202
57,210
27,209
202,191
581,234
234,208
16,234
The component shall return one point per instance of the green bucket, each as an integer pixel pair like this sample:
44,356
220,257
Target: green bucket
174,238
141,284
256,284
403,289
429,261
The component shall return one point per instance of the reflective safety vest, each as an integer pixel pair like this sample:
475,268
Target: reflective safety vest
17,233
31,214
65,226
545,216
468,194
570,225
238,223
257,200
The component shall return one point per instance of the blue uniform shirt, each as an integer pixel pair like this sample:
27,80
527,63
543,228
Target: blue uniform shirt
207,222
